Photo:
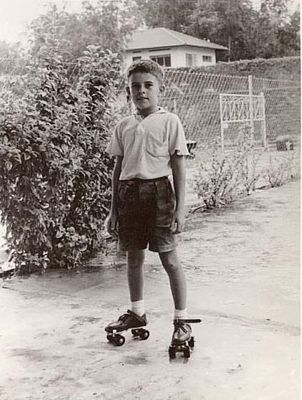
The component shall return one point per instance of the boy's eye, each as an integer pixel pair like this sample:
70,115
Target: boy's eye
136,86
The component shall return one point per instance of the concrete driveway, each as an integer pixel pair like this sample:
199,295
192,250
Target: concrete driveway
242,266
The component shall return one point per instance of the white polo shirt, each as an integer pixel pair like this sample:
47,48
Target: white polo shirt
147,144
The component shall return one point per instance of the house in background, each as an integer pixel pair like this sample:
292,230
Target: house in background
171,49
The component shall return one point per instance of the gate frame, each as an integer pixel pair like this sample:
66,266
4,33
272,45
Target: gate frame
251,118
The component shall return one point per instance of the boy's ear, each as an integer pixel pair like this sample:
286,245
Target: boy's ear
162,88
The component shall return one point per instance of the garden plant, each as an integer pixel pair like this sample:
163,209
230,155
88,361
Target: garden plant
224,176
54,172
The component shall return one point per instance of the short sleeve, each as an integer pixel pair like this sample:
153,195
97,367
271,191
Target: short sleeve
115,147
177,140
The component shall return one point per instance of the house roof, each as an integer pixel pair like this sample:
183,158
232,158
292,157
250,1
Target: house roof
163,37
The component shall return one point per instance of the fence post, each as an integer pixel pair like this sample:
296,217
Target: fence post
221,123
264,121
251,108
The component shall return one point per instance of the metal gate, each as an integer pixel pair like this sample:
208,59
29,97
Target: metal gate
242,108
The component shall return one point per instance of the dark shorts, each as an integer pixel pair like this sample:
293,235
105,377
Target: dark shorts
146,211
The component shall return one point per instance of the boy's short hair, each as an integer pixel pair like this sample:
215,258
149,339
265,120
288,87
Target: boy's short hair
148,66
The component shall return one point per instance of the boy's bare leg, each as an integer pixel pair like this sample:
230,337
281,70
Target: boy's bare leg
177,278
135,316
135,275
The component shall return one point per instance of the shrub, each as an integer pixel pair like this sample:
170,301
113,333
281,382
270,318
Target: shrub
226,176
215,182
54,172
282,169
245,160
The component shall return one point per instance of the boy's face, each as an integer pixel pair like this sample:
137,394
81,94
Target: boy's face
144,91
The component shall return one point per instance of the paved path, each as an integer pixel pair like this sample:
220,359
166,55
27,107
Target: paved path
242,265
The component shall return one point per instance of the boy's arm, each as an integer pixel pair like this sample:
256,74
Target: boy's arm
179,180
113,217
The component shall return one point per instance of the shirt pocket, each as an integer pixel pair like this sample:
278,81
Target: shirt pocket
156,146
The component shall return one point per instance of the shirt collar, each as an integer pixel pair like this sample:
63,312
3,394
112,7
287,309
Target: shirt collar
160,110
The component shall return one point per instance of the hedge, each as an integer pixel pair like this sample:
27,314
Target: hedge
54,172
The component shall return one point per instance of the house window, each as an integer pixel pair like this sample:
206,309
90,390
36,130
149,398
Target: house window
207,58
163,60
190,59
136,58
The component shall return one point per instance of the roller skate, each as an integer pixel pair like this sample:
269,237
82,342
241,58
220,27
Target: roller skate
130,320
182,341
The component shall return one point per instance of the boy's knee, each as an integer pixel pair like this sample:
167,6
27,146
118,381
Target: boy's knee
172,268
170,262
134,264
135,259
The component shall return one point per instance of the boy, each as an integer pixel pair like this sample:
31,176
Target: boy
148,147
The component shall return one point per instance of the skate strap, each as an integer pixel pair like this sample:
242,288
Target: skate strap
187,321
124,317
138,317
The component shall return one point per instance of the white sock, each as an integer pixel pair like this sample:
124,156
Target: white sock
180,314
138,307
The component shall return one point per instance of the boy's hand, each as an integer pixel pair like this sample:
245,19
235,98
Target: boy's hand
112,222
179,222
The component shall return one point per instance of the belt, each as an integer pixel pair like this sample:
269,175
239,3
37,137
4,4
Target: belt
138,180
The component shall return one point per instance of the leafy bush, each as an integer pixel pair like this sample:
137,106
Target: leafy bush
215,182
54,172
225,176
245,160
283,169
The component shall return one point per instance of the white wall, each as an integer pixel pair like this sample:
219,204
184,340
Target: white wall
199,53
178,55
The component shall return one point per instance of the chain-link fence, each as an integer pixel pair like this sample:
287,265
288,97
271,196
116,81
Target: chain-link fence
196,97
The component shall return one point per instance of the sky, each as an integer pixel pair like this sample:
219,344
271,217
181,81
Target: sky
15,15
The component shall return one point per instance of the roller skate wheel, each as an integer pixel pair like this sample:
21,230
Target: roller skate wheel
191,342
187,352
172,352
119,340
144,334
